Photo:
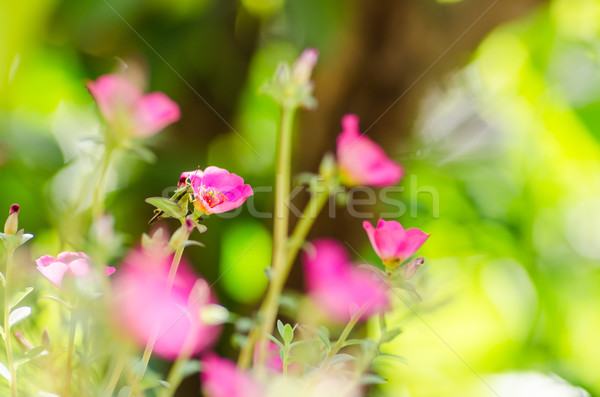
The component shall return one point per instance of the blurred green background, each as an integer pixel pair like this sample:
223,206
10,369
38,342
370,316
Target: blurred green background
493,108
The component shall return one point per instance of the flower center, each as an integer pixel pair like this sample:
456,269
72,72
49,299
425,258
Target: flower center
212,198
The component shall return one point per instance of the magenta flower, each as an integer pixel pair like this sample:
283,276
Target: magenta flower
221,378
126,108
216,190
362,161
75,264
338,287
143,302
392,243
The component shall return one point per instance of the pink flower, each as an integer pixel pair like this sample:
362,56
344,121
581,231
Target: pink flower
392,243
221,378
126,108
338,287
273,361
142,302
362,161
216,190
75,264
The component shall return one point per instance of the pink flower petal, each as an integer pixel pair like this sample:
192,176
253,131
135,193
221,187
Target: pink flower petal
108,270
221,378
68,256
114,95
53,270
390,240
175,313
362,161
415,238
273,361
152,113
216,190
79,267
339,288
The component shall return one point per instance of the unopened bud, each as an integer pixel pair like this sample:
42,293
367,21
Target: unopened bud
304,65
12,222
23,342
213,314
327,168
181,235
411,267
46,338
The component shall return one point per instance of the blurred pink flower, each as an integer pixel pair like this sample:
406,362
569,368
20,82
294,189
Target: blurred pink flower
142,302
362,161
75,263
216,190
125,107
273,361
337,286
392,243
221,378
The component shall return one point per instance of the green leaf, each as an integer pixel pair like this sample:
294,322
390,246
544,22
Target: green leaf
4,372
190,367
393,357
164,384
169,207
19,296
30,355
243,324
288,334
190,243
54,298
280,327
372,379
342,358
201,228
238,340
18,315
124,392
323,334
390,335
276,341
143,153
361,342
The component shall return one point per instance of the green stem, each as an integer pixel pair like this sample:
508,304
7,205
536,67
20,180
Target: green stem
115,374
175,375
345,333
98,208
70,348
7,332
268,310
154,334
280,231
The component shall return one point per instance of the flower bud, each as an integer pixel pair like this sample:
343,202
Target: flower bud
182,234
12,222
22,341
46,338
213,314
411,267
304,65
327,168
